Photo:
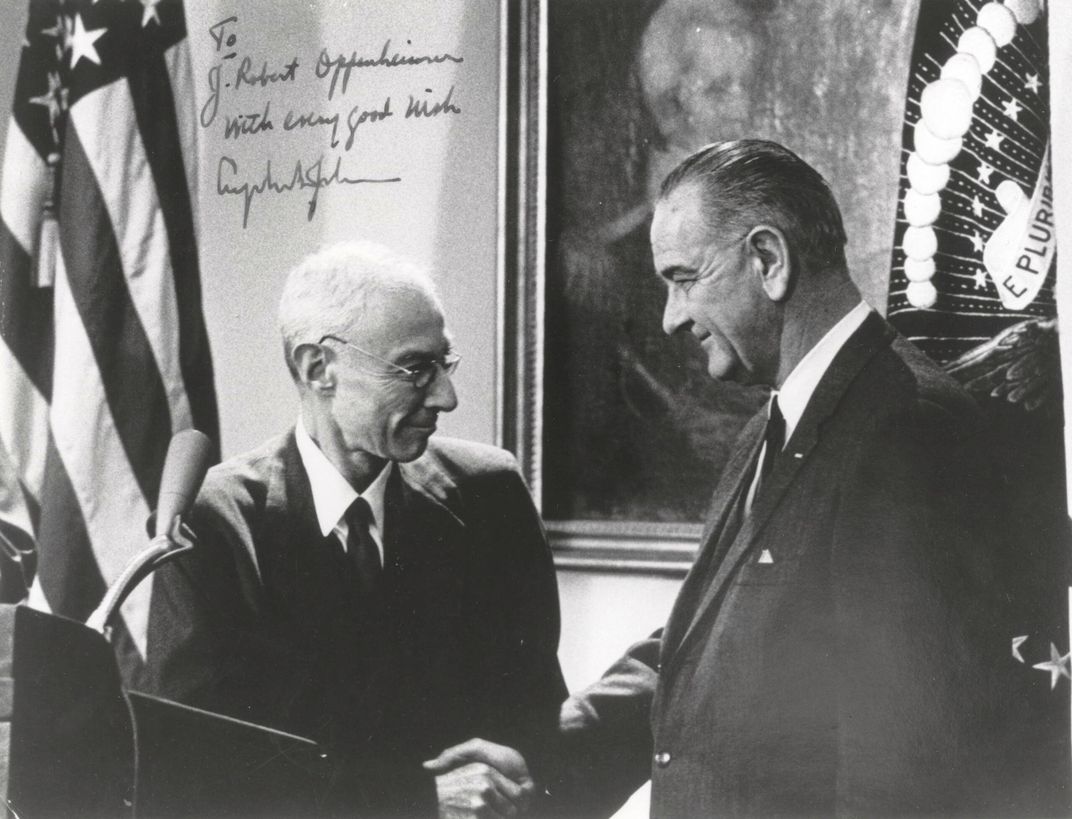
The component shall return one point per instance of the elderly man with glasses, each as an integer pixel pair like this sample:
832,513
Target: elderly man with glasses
357,581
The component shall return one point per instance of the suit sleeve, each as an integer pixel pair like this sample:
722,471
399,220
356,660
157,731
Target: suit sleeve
592,751
516,603
602,751
917,619
202,646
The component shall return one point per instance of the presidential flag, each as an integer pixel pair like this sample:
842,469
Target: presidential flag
974,244
104,352
973,284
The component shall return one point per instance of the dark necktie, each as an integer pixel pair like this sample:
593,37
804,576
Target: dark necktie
758,473
362,551
774,437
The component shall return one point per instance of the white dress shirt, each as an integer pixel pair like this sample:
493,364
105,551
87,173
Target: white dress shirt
332,493
800,384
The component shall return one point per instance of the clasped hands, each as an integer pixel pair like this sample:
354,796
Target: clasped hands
481,779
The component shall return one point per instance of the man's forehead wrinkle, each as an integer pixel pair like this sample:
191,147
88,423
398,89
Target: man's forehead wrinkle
398,317
422,347
669,272
684,208
427,338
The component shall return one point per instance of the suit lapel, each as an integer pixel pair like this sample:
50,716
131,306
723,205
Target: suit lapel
299,564
733,482
425,539
871,336
721,522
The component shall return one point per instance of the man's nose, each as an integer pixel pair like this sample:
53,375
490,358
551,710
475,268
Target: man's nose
674,314
441,395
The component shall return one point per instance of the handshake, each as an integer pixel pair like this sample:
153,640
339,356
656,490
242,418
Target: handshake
481,779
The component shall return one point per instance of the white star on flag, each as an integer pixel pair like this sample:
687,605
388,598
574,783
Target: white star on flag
984,172
55,100
977,207
150,13
56,31
1012,110
980,284
1032,83
994,140
62,32
68,31
977,242
1056,665
82,42
1016,643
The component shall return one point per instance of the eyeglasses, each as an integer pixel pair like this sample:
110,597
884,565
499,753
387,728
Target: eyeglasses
420,374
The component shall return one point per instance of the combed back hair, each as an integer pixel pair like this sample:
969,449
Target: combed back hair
747,182
329,291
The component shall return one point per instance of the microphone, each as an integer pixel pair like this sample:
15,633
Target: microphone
187,462
188,458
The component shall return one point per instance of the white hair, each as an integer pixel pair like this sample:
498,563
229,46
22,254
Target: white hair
329,290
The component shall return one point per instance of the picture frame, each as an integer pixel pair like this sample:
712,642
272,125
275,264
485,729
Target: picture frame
619,429
614,543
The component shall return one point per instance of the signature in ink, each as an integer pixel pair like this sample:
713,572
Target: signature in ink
304,176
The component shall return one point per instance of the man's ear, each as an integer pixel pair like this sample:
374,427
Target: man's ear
772,260
314,368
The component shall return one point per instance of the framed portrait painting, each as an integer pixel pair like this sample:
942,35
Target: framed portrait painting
621,431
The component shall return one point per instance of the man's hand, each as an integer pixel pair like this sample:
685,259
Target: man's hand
480,778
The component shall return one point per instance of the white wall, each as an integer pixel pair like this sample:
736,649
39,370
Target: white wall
603,614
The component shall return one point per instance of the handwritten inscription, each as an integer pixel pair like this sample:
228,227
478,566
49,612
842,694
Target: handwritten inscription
304,175
340,66
252,99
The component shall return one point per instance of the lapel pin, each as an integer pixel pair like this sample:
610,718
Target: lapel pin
798,454
765,557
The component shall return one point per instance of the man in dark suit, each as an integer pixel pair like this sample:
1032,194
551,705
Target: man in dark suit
839,646
357,582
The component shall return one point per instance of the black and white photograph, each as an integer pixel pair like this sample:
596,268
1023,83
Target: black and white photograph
558,408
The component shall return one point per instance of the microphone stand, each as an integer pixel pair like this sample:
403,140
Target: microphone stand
166,546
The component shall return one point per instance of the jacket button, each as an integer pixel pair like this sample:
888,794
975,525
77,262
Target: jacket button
662,759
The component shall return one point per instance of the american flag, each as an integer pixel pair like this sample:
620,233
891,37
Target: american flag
104,352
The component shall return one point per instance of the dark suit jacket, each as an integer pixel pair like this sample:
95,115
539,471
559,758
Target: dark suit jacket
258,622
860,671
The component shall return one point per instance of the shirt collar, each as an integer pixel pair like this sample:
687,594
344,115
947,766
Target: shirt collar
332,493
798,388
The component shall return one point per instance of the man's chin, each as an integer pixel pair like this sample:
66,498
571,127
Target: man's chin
722,369
413,444
731,372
